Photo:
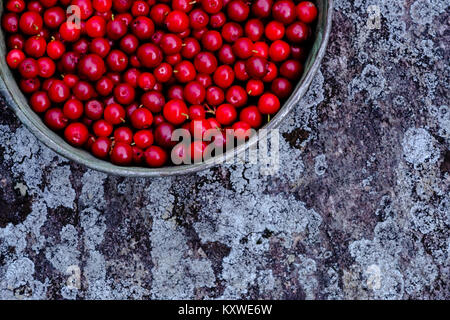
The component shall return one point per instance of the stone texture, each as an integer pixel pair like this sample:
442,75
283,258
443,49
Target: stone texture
358,210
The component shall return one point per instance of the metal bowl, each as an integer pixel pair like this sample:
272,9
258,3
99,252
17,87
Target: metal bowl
17,101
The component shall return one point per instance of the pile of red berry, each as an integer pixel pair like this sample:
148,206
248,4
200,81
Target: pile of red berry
120,77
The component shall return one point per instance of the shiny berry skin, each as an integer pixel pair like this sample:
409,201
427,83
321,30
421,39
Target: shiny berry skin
30,23
284,11
101,147
143,138
96,27
243,47
149,55
102,5
281,87
123,134
117,60
93,109
254,29
268,103
10,22
291,69
114,114
279,50
170,44
254,87
256,67
102,128
241,130
15,5
76,134
198,128
196,112
205,62
146,81
91,67
40,102
298,32
197,150
116,29
232,31
212,6
153,100
55,49
238,10
73,109
306,11
100,46
217,20
190,48
29,85
175,111
223,76
272,72
14,58
177,21
185,71
261,8
69,32
155,156
194,92
58,92
143,28
226,54
121,154
240,71
251,116
54,119
198,19
214,96
212,40
141,118
237,96
104,86
163,135
274,30
129,43
226,114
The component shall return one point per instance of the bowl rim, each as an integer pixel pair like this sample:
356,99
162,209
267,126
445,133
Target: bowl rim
18,103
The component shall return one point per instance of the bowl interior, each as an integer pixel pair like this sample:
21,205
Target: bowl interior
18,102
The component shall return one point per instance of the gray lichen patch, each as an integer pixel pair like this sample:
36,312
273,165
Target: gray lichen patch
359,207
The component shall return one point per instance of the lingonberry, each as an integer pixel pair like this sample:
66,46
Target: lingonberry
58,92
73,109
256,67
194,92
76,134
284,11
149,55
142,27
101,147
163,135
306,11
226,114
123,134
251,116
254,87
121,154
281,87
91,67
155,156
40,102
238,10
261,8
177,21
279,50
143,138
102,128
14,58
124,93
141,118
93,109
175,111
30,23
55,49
153,100
54,118
223,76
184,71
54,17
114,114
214,96
268,103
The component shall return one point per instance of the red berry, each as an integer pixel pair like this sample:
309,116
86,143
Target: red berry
306,11
143,138
101,147
175,111
73,109
155,156
251,116
121,154
177,21
268,103
141,118
226,114
76,134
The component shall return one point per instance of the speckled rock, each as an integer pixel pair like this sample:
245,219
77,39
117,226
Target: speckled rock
359,208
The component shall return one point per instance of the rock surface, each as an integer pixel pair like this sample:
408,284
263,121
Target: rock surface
358,209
